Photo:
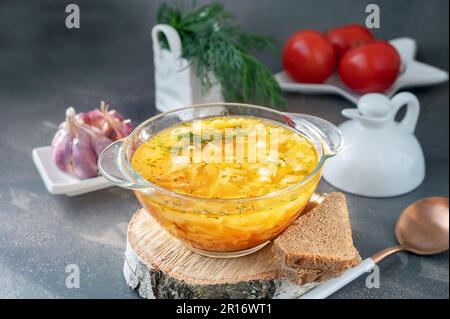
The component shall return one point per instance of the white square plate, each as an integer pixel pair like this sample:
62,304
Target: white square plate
58,182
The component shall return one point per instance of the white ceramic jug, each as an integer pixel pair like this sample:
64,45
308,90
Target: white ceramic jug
176,82
381,157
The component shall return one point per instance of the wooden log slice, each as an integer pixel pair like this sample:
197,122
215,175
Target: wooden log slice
159,266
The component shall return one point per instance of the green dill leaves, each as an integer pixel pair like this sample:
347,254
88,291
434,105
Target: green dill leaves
215,45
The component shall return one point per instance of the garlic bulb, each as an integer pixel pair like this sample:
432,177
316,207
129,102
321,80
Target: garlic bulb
76,146
112,124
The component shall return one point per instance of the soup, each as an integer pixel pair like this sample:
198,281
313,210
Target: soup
232,164
266,171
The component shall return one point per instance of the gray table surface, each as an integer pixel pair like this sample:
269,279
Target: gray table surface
45,68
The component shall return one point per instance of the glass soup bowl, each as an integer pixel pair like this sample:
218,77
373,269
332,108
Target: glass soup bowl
216,227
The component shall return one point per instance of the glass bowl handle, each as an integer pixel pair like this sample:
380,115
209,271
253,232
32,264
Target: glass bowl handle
330,135
111,166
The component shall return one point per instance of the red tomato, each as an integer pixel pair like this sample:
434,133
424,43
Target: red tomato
348,37
373,67
308,57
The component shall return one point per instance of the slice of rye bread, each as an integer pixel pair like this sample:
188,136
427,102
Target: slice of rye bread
304,276
319,239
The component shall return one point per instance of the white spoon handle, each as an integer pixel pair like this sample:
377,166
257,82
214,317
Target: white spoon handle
331,286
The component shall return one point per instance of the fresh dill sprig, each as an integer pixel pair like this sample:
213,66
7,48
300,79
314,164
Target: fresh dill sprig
216,46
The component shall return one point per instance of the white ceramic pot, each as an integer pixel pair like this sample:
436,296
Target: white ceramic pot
381,157
176,83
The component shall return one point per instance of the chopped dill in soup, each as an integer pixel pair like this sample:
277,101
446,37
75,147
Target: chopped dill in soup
226,157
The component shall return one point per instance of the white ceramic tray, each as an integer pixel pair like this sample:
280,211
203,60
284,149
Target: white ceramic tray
58,182
414,74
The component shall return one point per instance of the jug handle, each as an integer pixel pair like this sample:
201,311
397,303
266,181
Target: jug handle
172,37
111,167
331,136
409,121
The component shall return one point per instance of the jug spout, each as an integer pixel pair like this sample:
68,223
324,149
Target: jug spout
330,136
366,121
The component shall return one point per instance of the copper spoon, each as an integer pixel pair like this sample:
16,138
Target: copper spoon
421,229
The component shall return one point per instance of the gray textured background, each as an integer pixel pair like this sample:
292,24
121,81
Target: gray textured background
44,68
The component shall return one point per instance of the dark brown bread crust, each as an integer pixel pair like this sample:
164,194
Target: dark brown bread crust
318,245
305,276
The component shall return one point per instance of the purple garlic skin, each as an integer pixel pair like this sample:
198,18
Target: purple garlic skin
81,139
111,123
100,143
62,151
83,156
124,129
